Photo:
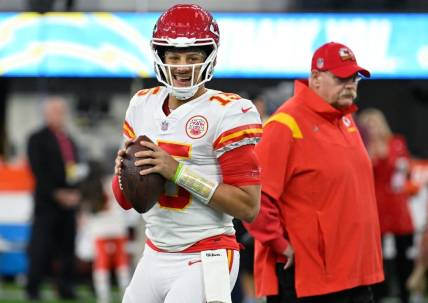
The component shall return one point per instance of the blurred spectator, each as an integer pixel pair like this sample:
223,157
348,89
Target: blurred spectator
53,159
246,264
108,231
275,96
390,158
417,281
260,104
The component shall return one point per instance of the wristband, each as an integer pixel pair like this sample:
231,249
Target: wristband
196,184
177,172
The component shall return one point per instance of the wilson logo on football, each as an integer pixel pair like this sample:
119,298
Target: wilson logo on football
196,127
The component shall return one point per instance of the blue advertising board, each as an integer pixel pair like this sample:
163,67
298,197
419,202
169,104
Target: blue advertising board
253,45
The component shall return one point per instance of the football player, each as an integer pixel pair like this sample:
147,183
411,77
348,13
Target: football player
204,146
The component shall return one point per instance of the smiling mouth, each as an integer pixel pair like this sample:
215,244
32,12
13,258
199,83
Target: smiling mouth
349,94
182,80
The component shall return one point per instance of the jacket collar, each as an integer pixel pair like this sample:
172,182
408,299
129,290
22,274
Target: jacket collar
317,104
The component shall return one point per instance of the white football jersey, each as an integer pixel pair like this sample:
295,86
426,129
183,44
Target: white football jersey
196,133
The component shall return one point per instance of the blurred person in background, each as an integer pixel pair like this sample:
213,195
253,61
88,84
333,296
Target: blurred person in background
106,224
416,283
246,268
260,104
53,158
317,233
390,158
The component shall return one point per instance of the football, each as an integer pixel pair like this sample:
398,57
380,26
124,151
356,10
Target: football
141,191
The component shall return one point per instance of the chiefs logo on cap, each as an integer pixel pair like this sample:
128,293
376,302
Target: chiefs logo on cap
346,54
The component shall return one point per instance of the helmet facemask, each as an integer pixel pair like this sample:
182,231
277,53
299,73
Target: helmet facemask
200,72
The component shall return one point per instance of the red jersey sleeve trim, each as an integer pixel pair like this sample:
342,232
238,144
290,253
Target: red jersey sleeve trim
237,134
240,166
143,92
128,131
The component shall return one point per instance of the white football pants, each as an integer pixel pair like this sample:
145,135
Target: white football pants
171,278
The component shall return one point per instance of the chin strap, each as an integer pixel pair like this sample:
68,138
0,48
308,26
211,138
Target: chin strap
183,94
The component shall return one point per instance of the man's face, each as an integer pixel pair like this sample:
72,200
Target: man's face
375,125
338,92
55,111
186,73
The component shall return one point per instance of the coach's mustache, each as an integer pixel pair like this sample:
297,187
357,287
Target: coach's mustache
349,94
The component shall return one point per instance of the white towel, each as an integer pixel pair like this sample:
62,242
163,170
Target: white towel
216,276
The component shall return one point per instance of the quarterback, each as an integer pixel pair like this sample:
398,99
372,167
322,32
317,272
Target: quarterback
204,146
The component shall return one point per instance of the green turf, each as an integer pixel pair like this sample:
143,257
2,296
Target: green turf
13,293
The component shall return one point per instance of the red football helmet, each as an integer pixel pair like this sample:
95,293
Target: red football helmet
183,26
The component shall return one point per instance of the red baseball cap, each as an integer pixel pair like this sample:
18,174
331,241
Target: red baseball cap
337,59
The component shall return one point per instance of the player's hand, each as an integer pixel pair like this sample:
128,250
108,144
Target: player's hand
162,162
289,254
69,198
119,157
416,281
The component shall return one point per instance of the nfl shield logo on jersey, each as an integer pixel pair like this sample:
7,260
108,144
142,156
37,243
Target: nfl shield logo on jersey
196,127
164,125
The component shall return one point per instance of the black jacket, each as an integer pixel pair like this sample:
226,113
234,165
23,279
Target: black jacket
48,168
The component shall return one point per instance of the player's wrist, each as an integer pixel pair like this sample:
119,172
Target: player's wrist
177,172
197,185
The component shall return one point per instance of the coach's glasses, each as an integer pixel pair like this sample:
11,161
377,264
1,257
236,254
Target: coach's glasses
342,81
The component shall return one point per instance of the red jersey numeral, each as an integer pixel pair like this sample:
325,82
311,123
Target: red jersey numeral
146,91
225,98
181,198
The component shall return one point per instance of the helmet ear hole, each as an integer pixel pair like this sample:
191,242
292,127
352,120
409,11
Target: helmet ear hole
161,50
207,49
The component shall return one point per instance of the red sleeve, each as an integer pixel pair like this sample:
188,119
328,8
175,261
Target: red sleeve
273,152
118,194
240,166
267,227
